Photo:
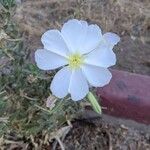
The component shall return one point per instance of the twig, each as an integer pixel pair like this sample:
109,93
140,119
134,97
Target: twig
2,7
60,143
42,108
2,92
54,145
8,54
29,98
110,140
14,40
5,119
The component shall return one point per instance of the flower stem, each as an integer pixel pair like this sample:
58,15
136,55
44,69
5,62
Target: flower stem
94,103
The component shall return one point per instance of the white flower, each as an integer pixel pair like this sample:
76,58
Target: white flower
84,53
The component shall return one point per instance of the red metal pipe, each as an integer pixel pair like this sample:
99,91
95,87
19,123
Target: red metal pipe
127,96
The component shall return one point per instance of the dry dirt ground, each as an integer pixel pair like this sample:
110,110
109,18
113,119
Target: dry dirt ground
108,134
130,20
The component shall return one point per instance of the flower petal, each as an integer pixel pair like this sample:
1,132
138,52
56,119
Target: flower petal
53,41
103,56
84,23
97,76
111,38
92,39
74,32
47,60
78,85
60,83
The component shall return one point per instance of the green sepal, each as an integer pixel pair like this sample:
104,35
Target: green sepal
94,103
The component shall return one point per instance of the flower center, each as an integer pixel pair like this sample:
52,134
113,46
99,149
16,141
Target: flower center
75,61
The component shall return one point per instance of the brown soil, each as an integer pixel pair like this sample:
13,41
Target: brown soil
107,134
129,19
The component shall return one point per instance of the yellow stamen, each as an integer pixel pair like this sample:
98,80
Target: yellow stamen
75,61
